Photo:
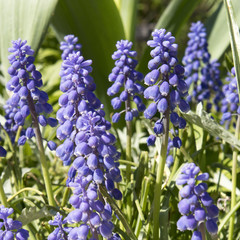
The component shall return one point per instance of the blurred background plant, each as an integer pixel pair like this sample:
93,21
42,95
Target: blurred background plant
98,26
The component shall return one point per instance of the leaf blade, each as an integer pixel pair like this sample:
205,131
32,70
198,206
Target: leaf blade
28,23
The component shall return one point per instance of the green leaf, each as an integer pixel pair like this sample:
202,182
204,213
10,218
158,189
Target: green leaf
203,120
128,12
217,28
28,20
98,26
173,19
31,214
234,39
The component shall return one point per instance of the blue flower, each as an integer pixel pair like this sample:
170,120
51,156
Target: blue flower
89,148
230,102
200,72
196,205
26,99
166,85
125,81
9,228
59,233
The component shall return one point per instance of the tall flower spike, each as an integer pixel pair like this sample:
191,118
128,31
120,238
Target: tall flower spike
167,87
9,228
25,83
90,146
125,77
196,205
230,102
78,97
200,72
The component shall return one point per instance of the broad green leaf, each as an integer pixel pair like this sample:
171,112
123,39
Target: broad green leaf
217,29
203,120
33,213
28,20
173,19
128,12
98,26
234,39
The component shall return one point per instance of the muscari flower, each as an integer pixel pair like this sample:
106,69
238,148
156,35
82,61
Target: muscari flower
26,99
196,205
126,81
202,75
90,148
60,233
11,229
230,102
167,87
69,45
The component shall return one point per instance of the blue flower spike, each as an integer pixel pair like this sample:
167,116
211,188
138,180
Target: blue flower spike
126,81
166,86
196,205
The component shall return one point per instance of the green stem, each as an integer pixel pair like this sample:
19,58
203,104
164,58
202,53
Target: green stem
160,170
220,171
127,163
143,205
226,218
234,182
65,196
118,213
25,189
128,156
202,230
43,160
2,195
128,149
175,167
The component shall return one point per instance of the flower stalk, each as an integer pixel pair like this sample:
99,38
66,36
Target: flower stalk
234,182
43,160
160,171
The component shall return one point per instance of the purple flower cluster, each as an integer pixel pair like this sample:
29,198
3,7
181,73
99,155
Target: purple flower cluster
200,72
26,98
78,97
126,77
60,233
167,87
230,103
196,205
91,147
11,229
